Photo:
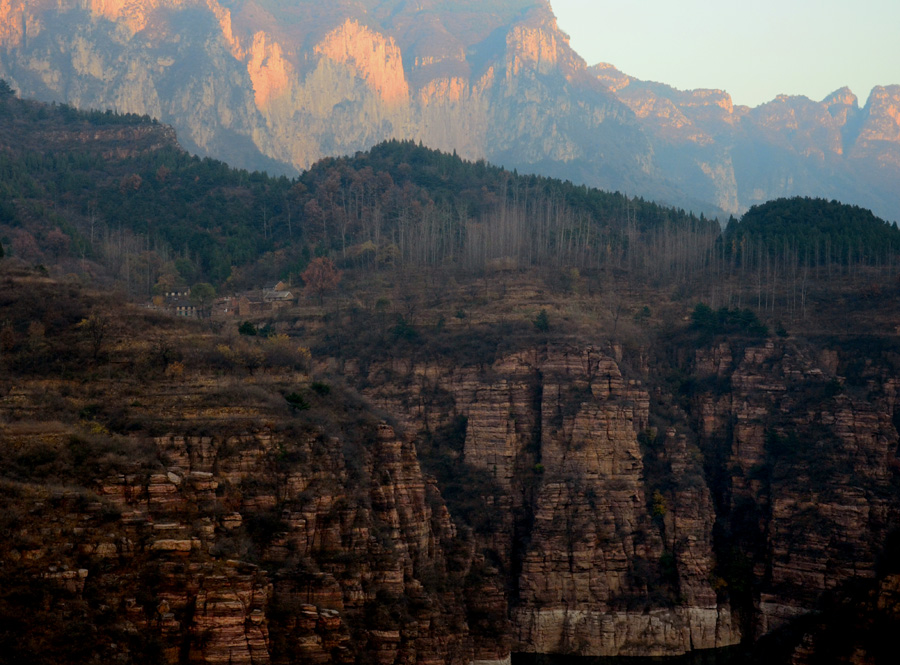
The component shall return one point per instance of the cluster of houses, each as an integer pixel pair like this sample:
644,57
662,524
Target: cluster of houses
245,305
178,302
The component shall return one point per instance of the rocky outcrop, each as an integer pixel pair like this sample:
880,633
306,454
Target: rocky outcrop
374,59
348,552
278,87
810,486
555,496
610,523
595,570
711,147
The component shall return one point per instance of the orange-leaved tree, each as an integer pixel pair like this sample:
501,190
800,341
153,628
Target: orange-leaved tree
320,277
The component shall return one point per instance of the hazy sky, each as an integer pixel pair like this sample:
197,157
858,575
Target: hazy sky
754,50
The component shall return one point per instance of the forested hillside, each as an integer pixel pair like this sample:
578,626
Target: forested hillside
505,414
399,204
813,232
115,197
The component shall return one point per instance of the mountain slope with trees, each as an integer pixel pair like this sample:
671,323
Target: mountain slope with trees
115,197
265,84
815,232
72,190
505,414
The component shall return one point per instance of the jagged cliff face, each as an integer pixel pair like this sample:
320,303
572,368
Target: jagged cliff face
557,429
611,558
166,556
812,467
253,82
560,497
270,85
738,156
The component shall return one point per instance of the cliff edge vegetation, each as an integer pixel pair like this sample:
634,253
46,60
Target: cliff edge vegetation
494,414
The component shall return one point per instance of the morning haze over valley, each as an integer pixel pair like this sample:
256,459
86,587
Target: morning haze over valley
395,332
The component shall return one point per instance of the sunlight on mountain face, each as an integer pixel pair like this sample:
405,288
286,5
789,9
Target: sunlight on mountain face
374,58
279,84
134,14
268,69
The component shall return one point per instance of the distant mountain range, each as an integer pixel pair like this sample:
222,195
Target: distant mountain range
278,84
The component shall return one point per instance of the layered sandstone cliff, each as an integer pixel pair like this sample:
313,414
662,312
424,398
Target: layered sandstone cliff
811,483
556,497
218,561
623,537
595,570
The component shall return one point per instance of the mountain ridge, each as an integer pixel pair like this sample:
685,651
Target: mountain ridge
268,84
507,425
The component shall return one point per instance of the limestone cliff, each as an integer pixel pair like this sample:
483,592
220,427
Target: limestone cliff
714,149
269,84
278,86
266,85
